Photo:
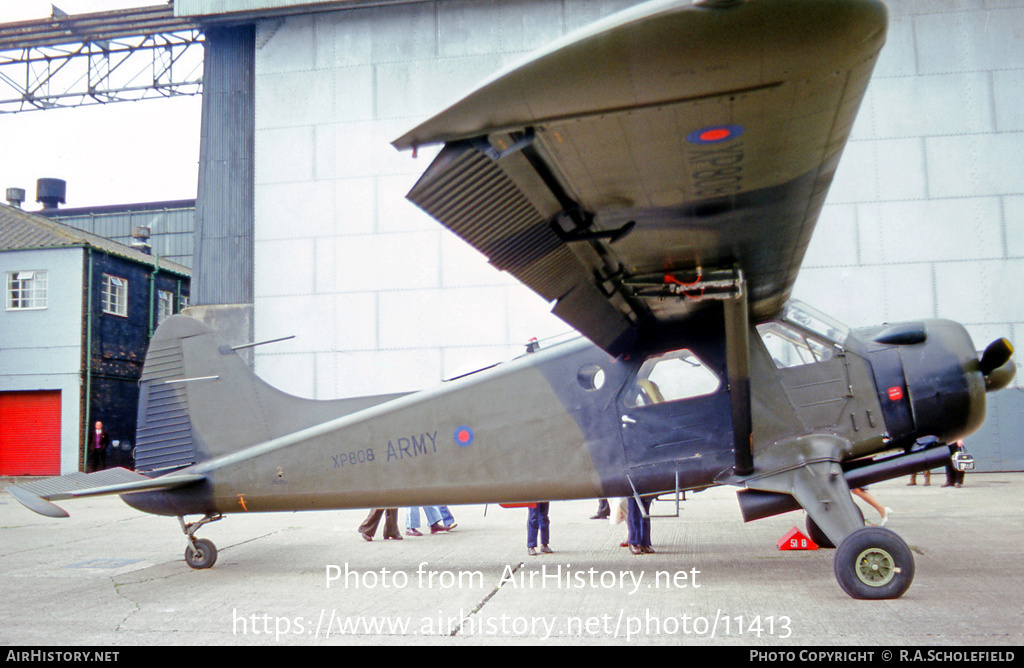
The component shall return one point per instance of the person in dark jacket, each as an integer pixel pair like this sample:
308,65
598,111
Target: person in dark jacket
99,441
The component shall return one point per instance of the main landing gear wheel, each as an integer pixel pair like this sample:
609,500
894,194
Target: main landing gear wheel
874,563
202,554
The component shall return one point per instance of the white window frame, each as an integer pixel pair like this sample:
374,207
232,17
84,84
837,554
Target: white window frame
27,290
115,295
164,305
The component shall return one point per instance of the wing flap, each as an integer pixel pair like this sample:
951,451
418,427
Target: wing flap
37,494
470,194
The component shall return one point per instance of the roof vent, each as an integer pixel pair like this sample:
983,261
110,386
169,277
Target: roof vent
140,234
15,196
51,192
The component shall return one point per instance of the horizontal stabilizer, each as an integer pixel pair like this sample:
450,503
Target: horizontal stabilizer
37,494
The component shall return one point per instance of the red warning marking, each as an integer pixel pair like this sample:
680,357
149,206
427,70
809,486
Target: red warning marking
895,393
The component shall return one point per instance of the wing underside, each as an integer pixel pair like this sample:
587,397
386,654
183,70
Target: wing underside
629,173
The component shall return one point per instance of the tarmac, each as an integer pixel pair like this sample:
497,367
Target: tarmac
110,576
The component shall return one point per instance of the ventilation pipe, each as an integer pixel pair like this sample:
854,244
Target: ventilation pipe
51,192
15,196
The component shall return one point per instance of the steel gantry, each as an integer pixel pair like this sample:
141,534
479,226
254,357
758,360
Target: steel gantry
115,56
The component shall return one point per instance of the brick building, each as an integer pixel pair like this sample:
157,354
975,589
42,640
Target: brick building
78,314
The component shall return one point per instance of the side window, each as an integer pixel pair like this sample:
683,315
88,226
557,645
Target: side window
790,347
164,305
26,290
115,295
673,376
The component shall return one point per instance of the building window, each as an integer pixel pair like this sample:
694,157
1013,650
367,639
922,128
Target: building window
115,295
164,305
26,290
182,303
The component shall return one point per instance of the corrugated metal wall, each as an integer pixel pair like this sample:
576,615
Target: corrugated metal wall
172,228
223,263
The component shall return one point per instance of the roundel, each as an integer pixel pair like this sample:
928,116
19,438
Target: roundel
463,436
714,134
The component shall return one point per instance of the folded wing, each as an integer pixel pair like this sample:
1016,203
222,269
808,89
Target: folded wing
632,170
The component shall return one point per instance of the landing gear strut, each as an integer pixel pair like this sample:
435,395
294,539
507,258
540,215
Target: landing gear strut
874,563
200,552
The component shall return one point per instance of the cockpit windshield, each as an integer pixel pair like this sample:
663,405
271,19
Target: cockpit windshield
804,316
801,336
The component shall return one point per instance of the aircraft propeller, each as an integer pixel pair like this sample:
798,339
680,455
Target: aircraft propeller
997,365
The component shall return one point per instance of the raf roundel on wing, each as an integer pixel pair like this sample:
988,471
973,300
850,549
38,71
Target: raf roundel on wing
714,134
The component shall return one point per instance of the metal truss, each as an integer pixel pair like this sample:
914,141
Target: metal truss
101,71
121,55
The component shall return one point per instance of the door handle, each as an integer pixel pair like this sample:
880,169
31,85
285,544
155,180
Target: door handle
626,419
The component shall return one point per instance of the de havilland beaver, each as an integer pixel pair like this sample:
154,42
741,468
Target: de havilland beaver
657,177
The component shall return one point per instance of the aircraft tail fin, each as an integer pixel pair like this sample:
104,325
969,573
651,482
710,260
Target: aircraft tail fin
199,400
36,495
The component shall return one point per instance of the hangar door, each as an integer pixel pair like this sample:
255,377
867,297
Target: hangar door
30,433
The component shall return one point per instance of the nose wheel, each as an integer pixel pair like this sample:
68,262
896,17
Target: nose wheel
874,563
200,553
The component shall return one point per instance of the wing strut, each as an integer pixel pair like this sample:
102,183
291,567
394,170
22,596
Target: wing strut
730,287
737,359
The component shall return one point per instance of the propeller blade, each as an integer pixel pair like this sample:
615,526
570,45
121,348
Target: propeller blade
996,355
1001,377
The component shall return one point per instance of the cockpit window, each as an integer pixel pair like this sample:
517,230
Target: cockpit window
790,346
804,316
673,376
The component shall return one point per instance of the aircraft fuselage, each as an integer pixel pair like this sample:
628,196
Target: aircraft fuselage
570,421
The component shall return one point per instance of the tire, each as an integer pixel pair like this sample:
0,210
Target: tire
873,563
819,537
203,555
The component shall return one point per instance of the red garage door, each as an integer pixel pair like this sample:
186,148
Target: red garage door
30,433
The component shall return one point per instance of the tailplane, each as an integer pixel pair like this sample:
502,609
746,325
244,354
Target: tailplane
37,494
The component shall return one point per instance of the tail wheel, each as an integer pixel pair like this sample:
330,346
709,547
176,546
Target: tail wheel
201,553
874,563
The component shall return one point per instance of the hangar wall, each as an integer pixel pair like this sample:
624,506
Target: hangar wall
379,296
925,218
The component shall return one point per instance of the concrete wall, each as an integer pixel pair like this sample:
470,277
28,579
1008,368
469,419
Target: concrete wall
924,219
42,349
381,298
926,214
